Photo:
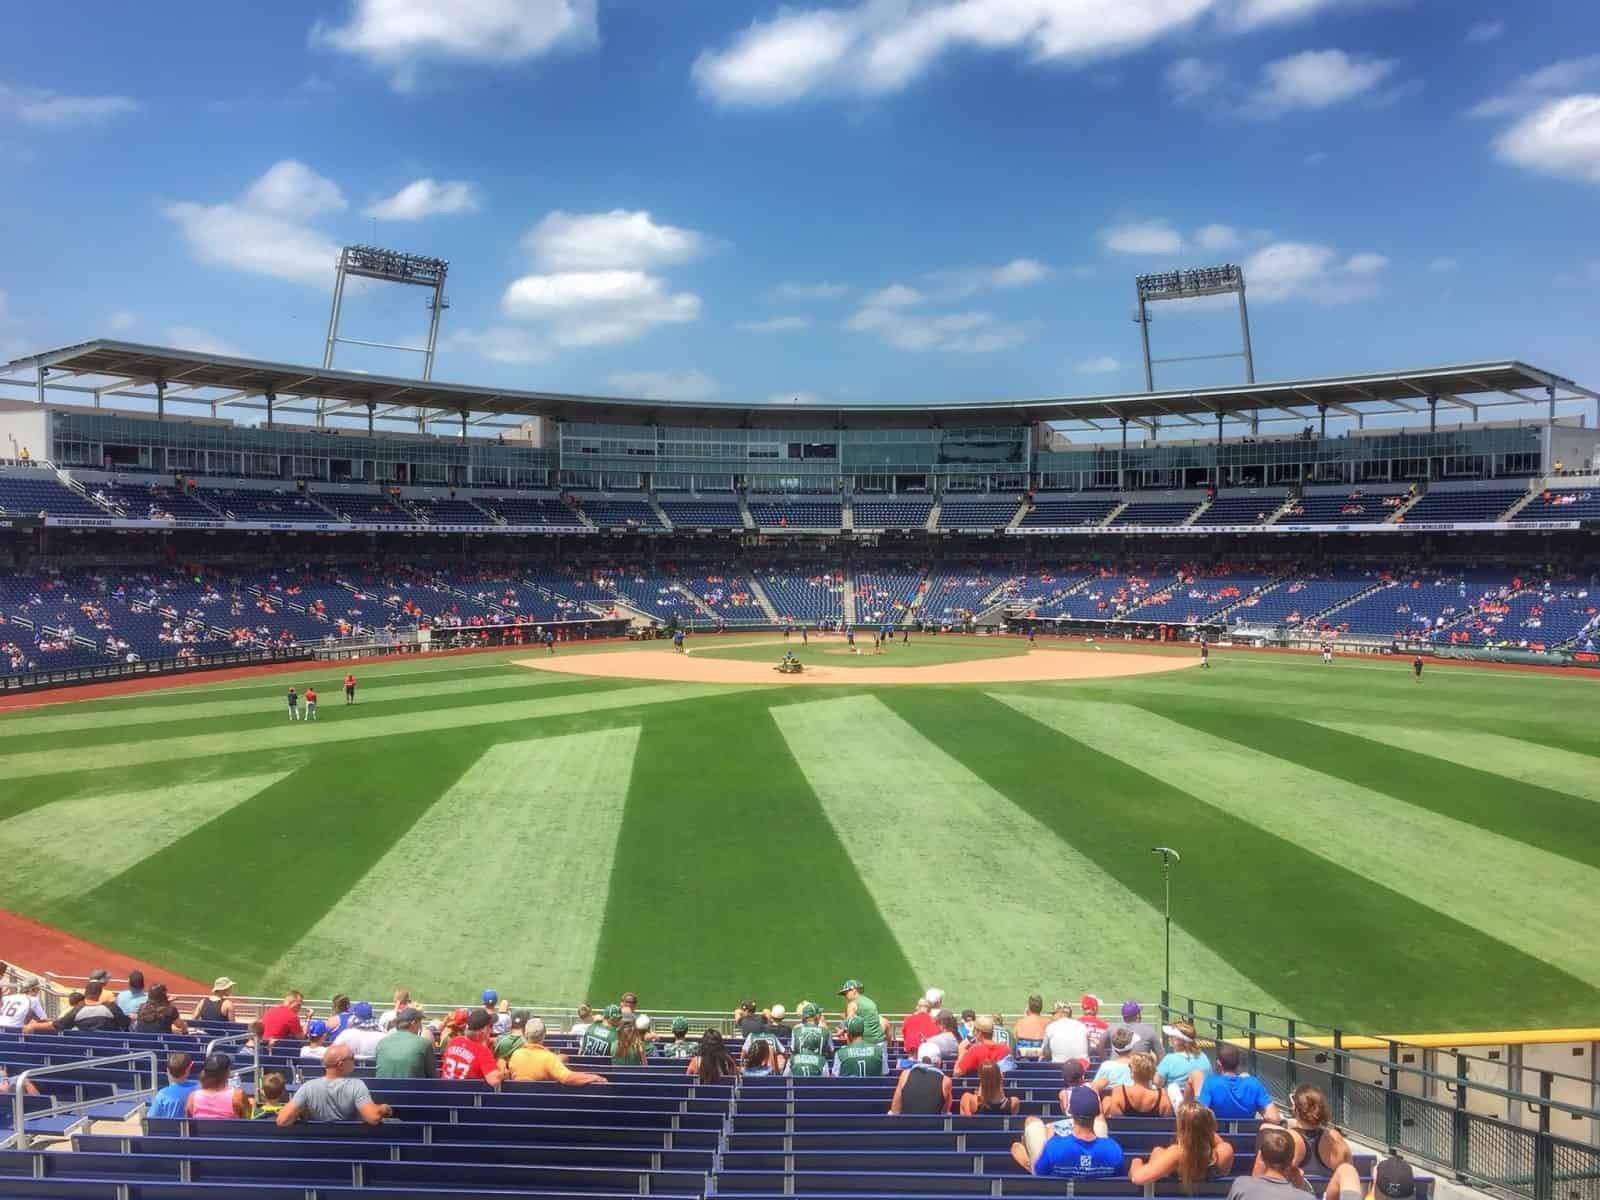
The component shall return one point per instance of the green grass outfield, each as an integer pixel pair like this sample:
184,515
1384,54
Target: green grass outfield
1357,848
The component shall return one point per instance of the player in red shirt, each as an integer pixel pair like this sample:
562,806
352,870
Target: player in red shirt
349,688
469,1056
283,1020
311,703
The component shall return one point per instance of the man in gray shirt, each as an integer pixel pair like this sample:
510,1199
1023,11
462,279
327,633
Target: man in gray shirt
1144,1036
337,1096
1277,1178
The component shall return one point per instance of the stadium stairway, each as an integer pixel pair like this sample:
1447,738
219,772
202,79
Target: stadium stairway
1222,613
107,505
1288,503
1398,516
756,589
1315,620
847,513
1510,514
749,522
932,523
1016,517
847,596
661,513
1194,517
1111,517
700,605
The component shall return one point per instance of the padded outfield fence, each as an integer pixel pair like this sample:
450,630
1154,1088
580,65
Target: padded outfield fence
1492,1109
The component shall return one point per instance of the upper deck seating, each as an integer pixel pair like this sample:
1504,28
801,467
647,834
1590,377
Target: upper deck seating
1468,504
1067,509
797,514
979,512
891,514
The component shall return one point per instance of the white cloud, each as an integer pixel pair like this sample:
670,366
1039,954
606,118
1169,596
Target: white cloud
1561,137
119,322
1315,79
45,109
187,337
885,314
1537,87
1308,270
1216,238
1190,79
810,291
1102,364
1019,272
427,198
565,241
776,325
1142,237
896,295
1442,264
671,384
1485,31
1316,158
500,343
265,231
1248,15
401,35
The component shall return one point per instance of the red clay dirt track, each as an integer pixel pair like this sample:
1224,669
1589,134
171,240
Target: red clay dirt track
39,948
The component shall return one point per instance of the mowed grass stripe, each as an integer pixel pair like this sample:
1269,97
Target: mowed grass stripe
726,858
921,829
534,821
1524,897
1320,962
61,849
1536,816
274,704
1511,758
590,696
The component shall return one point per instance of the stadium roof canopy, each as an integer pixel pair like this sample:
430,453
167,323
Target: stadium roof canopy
124,370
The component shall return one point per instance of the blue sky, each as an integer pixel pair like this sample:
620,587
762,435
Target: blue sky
888,200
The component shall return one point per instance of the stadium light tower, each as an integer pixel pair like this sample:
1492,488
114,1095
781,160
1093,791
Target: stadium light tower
1168,857
1189,285
389,266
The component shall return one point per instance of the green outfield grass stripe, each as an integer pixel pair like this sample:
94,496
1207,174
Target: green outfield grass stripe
1511,758
924,831
1524,897
598,695
503,880
71,846
264,703
729,880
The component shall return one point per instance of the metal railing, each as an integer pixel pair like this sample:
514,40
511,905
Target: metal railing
20,1138
1488,1121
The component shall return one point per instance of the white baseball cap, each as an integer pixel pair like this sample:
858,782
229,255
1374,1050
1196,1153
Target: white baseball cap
934,997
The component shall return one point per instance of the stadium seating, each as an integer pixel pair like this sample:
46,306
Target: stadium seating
884,596
1155,512
1468,504
726,592
449,512
1531,615
1053,509
608,513
1200,595
1353,506
984,513
1565,504
703,514
1110,594
957,592
365,508
1303,597
155,502
797,514
38,492
891,514
263,504
1242,508
1412,602
808,592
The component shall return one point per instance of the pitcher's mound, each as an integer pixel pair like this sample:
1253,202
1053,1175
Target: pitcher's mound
1034,666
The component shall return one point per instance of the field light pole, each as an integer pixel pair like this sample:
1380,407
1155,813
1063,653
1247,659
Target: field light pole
1168,857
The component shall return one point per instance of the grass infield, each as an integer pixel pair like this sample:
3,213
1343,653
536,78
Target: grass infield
1357,847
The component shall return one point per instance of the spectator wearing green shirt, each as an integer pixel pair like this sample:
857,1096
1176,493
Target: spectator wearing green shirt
510,1042
680,1046
600,1038
810,1047
404,1053
859,1004
858,1058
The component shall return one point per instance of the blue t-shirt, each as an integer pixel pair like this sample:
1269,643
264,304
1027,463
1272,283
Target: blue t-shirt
1067,1156
1234,1097
172,1100
1114,1071
1175,1067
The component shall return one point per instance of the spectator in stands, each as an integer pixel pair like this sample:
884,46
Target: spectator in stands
173,1100
680,1046
468,1055
713,1064
1318,1146
361,1032
923,1089
919,1026
533,1062
1080,1154
629,1004
1231,1095
757,1059
316,1046
338,1014
1275,1170
772,1032
1145,1037
810,1047
983,1048
94,1014
748,1020
1393,1179
337,1096
491,1002
1089,1006
1115,1070
585,1019
508,1042
1066,1038
452,1026
632,1042
1030,1028
945,1045
1072,1075
404,1053
271,1097
218,1006
1197,1153
858,1058
402,1001
22,1011
131,998
158,1014
216,1099
990,1098
283,1020
1140,1096
1182,1060
600,1039
858,1004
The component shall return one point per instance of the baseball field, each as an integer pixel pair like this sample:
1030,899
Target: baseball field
1357,847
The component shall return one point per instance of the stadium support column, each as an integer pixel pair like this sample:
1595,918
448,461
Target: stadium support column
161,399
463,424
1122,457
271,397
1433,414
1550,428
371,407
1244,330
1322,415
1144,339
